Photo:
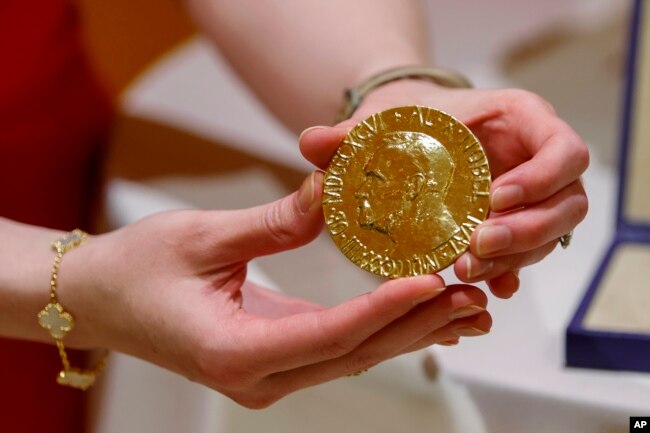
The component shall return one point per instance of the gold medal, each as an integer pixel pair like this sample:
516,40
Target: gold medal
405,190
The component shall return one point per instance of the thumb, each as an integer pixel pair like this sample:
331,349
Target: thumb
319,143
284,224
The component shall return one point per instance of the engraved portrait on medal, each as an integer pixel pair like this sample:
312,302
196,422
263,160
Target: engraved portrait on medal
405,190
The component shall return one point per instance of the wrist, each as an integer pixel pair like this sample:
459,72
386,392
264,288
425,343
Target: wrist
59,322
408,91
354,97
79,291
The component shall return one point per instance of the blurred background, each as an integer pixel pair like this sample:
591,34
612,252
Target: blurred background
190,134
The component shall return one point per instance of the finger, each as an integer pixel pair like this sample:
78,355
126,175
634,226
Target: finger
308,338
531,227
318,144
284,224
457,302
504,285
471,269
558,161
449,335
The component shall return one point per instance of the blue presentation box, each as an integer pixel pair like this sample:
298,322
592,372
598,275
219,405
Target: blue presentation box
611,327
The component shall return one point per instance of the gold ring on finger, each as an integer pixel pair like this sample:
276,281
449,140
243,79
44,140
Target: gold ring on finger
565,240
357,373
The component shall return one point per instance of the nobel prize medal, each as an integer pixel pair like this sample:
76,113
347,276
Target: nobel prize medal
405,191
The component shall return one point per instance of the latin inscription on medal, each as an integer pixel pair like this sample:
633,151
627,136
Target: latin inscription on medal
405,191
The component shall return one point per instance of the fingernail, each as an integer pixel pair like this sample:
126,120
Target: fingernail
466,311
308,130
476,267
306,192
506,197
449,342
429,294
492,239
469,331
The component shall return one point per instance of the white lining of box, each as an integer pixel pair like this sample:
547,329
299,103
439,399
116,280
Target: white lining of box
622,302
637,203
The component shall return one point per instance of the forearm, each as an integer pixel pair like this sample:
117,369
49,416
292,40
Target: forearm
25,263
299,56
26,260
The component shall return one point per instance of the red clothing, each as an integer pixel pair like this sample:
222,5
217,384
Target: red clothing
53,117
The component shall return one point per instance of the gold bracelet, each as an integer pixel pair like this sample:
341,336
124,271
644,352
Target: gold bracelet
353,97
59,322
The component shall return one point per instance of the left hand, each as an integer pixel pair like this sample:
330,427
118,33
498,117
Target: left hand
171,289
536,160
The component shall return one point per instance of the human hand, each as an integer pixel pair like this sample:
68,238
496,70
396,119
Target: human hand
171,289
535,158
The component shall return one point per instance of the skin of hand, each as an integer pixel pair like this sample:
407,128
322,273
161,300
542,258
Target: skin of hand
171,289
536,161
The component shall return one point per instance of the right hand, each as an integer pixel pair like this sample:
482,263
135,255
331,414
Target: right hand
536,160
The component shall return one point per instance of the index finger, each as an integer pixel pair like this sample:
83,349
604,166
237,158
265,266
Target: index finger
560,156
311,337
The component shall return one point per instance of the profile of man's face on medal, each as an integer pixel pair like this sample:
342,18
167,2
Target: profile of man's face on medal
404,188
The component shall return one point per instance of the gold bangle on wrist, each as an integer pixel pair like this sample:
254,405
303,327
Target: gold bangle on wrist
444,77
59,322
